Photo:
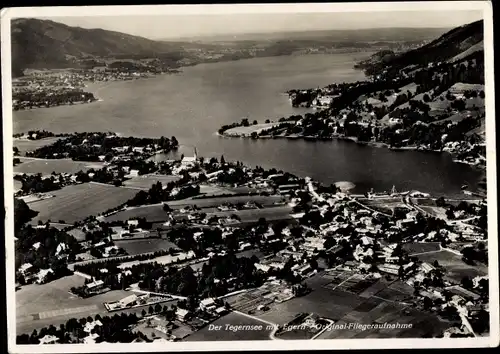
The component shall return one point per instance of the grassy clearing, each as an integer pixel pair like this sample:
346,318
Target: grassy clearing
155,212
223,334
246,131
332,304
29,145
76,202
420,247
456,269
145,246
46,167
145,182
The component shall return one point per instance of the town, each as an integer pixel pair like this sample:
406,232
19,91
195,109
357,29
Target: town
139,250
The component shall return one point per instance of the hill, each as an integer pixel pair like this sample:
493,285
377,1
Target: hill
48,44
457,44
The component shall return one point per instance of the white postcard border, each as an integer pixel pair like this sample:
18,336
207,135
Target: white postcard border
485,6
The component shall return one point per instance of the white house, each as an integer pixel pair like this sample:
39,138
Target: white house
207,304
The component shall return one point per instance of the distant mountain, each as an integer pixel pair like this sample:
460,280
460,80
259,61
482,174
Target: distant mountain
457,44
48,44
363,35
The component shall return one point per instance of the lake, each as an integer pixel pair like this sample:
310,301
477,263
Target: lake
192,106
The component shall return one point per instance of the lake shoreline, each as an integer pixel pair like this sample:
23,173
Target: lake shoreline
375,144
195,103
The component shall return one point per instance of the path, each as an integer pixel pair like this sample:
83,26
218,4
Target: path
272,335
330,322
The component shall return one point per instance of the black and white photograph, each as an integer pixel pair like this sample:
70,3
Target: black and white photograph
273,176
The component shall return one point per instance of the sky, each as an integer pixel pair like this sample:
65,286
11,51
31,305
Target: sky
180,26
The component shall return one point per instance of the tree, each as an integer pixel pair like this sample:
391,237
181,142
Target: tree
166,208
143,313
426,98
157,308
268,121
254,122
440,202
222,160
467,283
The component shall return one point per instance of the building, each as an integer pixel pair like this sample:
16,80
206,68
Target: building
89,326
95,287
26,269
90,339
207,304
182,314
128,301
389,268
466,294
426,267
134,173
43,275
285,188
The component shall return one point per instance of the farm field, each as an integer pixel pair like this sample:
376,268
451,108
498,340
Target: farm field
210,190
29,145
78,234
145,182
386,205
40,306
456,269
275,213
332,304
233,318
414,323
420,247
144,246
46,167
155,212
76,202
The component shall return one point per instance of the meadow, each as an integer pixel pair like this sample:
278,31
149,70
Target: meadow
144,246
76,202
24,145
46,167
456,269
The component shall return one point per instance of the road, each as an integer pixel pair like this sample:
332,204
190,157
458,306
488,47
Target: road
313,191
272,335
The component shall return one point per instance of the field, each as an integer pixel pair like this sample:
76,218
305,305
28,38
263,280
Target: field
332,304
51,303
29,145
145,182
252,215
386,205
156,213
379,303
421,247
46,167
76,202
244,131
456,269
144,246
78,234
209,333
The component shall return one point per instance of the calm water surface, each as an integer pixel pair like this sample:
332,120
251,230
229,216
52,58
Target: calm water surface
192,105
